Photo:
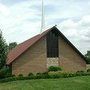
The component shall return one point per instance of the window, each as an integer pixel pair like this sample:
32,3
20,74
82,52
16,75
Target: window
52,44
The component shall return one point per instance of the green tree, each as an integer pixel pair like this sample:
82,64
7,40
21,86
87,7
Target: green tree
3,51
12,45
87,57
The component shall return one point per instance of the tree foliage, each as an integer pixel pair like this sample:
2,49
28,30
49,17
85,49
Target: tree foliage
87,57
3,51
12,45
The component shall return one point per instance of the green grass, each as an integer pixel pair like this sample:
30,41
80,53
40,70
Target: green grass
74,83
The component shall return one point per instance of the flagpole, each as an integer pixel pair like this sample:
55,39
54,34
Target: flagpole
42,17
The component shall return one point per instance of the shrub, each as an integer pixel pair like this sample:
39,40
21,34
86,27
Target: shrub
88,70
8,79
45,73
38,74
80,73
13,75
64,75
54,68
72,75
4,72
20,75
53,76
30,74
42,75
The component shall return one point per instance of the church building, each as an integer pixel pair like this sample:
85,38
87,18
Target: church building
50,48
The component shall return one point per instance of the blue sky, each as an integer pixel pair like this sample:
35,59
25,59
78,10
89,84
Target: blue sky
21,19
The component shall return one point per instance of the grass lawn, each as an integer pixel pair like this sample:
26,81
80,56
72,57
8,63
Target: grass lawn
74,83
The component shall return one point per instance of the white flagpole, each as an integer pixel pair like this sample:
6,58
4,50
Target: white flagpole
42,17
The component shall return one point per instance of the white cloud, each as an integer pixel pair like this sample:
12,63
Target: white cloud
4,10
21,21
77,31
17,21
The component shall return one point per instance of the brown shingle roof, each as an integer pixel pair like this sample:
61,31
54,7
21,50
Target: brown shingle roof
21,48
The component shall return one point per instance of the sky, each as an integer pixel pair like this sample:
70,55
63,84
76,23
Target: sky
21,20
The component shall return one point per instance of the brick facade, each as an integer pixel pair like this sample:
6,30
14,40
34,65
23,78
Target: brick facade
35,59
31,61
69,60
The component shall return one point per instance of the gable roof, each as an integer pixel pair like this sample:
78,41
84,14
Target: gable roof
21,48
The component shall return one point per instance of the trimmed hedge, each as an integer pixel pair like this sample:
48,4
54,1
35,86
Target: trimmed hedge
45,76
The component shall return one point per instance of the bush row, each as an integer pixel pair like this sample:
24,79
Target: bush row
45,75
5,72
